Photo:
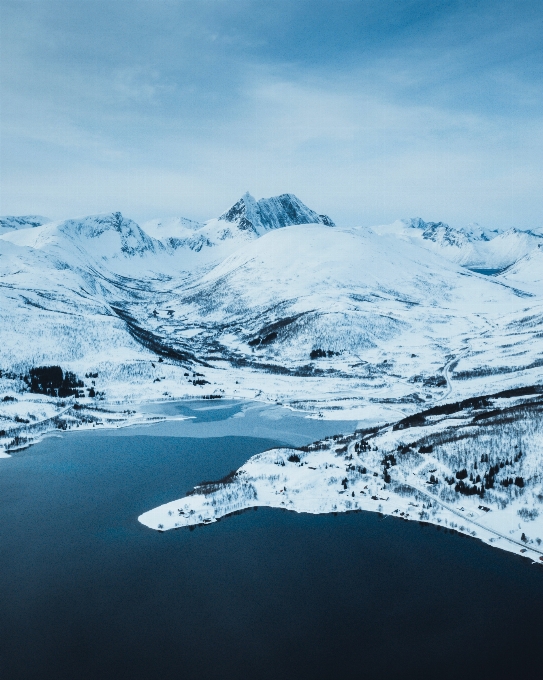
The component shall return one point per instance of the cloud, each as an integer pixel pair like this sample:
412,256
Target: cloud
368,110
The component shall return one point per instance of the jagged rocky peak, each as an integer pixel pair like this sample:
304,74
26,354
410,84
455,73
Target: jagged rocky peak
427,227
447,235
439,232
11,222
133,240
272,213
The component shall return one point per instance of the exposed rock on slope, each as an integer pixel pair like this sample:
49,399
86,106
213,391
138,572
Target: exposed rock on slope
245,220
260,303
472,247
11,222
271,213
97,237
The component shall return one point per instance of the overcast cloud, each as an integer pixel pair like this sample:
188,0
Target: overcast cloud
368,111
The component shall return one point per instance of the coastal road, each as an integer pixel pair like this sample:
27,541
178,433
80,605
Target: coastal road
467,520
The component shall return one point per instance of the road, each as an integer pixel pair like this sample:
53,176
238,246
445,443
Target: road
446,506
447,373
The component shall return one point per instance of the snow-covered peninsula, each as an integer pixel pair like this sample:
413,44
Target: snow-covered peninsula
472,467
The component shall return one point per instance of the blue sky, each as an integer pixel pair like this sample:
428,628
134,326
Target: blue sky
368,111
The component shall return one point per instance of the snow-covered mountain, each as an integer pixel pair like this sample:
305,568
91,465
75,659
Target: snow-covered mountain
64,284
98,237
527,271
54,304
347,305
172,228
273,301
271,213
245,220
265,298
10,222
472,247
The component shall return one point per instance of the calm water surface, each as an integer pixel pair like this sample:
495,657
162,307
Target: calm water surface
487,272
86,592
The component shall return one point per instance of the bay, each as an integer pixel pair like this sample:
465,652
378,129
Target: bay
87,592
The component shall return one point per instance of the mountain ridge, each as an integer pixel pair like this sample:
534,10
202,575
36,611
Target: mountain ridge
352,306
472,247
271,213
11,222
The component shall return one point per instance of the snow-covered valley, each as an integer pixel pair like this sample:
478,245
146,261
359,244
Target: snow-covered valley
272,301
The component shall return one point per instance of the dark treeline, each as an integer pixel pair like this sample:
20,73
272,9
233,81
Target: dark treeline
475,403
54,382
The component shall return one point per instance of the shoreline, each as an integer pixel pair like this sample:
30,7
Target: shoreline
112,420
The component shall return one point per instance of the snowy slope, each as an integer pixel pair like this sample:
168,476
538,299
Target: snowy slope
11,222
312,259
472,247
391,323
373,318
247,219
69,279
527,272
51,312
60,284
107,239
175,228
509,247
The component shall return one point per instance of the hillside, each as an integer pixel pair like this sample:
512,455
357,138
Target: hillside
257,303
472,247
11,222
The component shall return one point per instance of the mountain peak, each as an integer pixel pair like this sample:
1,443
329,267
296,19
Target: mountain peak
111,231
12,222
271,213
441,230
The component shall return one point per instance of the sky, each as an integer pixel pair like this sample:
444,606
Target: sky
368,111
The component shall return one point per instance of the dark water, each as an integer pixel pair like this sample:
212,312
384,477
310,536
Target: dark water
487,272
86,592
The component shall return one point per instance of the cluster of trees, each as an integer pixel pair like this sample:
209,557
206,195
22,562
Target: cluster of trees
473,483
322,353
490,476
9,375
388,461
405,448
471,404
467,490
362,446
316,446
54,382
518,481
488,480
16,442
